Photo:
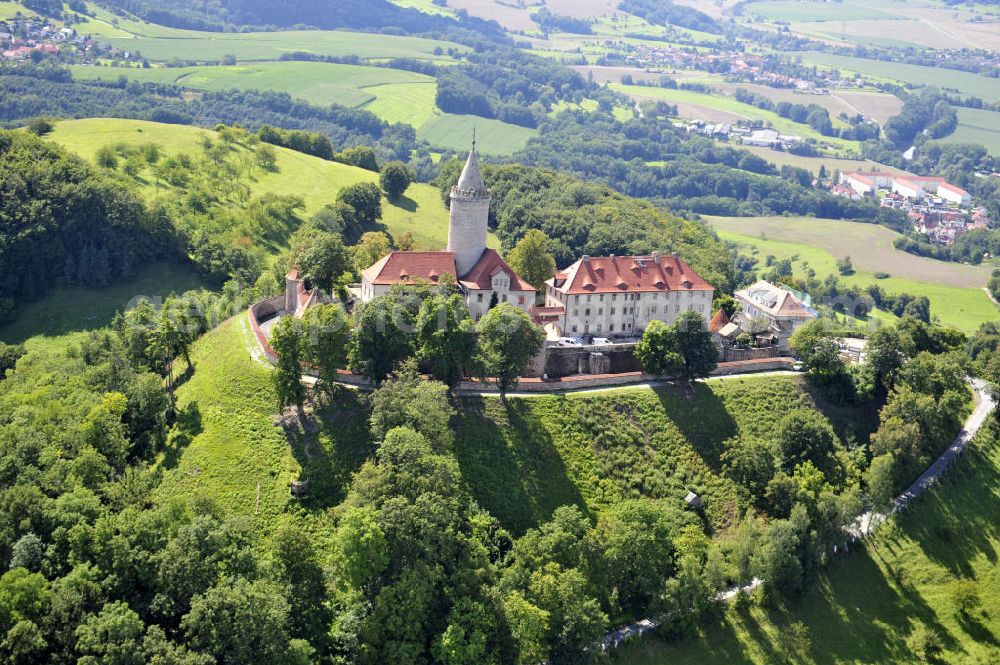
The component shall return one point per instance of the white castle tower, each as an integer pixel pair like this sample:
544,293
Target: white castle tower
470,211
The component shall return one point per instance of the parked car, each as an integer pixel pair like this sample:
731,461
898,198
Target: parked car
601,341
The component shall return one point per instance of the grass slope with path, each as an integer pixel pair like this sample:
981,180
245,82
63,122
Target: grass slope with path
317,181
955,290
868,605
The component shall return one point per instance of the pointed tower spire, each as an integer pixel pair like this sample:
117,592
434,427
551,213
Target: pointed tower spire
470,210
471,180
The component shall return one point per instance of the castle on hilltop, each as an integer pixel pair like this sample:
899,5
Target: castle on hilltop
484,277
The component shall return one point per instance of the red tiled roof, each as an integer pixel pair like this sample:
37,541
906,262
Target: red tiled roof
481,275
953,188
408,267
611,274
718,321
860,178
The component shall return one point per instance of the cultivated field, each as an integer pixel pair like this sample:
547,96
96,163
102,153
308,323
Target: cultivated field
812,11
955,290
977,126
318,83
492,136
868,605
965,82
317,181
812,164
877,105
159,43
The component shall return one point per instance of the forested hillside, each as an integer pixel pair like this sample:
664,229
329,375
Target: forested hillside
63,223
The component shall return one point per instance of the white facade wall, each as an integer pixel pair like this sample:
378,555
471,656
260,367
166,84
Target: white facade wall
625,314
910,192
858,186
476,300
954,197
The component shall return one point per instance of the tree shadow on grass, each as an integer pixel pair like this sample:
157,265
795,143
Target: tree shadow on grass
330,442
404,203
855,598
511,464
187,425
956,522
702,418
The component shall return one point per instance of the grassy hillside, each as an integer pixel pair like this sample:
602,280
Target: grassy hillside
317,181
955,290
595,449
521,463
77,309
867,606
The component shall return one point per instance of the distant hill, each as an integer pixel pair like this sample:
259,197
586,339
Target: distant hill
373,15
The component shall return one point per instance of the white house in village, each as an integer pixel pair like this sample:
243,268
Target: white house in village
618,296
782,309
912,187
480,272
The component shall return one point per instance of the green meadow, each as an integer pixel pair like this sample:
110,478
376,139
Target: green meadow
954,290
394,95
317,181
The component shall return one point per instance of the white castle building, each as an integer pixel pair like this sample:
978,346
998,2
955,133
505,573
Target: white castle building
483,276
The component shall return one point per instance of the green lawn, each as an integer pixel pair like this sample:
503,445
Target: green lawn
317,181
868,603
812,164
730,105
955,290
977,126
965,82
318,83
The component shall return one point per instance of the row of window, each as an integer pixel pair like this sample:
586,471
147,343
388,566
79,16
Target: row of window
632,296
503,298
627,311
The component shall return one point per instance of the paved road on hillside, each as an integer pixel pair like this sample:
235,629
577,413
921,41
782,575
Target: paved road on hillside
869,520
